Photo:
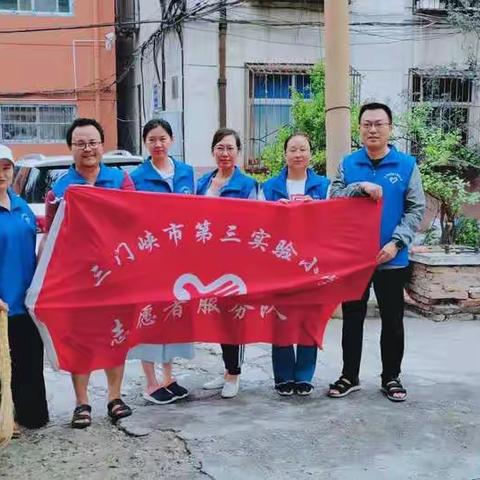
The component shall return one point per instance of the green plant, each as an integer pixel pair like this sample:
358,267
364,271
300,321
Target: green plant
444,163
467,232
308,116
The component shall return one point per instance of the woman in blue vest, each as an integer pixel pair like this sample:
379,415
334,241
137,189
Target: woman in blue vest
296,182
227,181
17,265
163,174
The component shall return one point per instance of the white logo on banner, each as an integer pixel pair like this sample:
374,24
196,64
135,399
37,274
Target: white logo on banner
224,286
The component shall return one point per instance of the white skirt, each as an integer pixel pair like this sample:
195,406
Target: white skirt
161,353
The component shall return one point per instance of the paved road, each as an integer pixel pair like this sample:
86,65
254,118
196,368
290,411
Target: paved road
259,435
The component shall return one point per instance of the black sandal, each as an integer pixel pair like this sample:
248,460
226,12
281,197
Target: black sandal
344,387
82,416
118,409
392,387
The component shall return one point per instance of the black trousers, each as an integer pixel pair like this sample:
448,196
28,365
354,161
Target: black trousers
233,358
388,286
28,384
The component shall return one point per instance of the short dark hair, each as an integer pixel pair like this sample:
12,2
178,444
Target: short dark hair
154,123
375,106
296,134
221,133
84,122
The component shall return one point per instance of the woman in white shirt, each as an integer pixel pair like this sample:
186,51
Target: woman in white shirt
293,371
227,181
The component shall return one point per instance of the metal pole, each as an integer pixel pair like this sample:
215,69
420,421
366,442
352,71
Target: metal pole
222,75
337,82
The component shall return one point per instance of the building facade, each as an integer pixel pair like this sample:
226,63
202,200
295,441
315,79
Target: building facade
55,67
402,52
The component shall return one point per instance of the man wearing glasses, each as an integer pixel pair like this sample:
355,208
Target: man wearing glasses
85,138
379,170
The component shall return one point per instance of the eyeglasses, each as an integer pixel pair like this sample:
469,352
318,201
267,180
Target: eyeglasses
83,146
376,125
225,148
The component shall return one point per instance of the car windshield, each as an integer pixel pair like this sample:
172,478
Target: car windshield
40,181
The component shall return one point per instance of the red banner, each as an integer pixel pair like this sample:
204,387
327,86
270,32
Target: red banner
122,268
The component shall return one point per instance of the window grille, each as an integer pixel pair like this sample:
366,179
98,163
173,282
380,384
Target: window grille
35,123
37,6
269,101
451,95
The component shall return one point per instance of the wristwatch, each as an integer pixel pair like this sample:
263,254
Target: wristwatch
399,243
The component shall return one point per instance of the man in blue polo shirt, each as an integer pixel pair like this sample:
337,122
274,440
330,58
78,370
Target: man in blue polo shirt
379,170
85,138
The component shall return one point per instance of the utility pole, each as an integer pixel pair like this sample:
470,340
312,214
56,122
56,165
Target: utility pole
222,66
337,82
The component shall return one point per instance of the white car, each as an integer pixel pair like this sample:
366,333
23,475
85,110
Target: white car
36,173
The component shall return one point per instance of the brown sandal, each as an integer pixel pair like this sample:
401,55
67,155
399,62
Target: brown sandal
118,409
81,416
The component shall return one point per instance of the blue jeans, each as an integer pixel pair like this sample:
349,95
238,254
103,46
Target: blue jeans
287,368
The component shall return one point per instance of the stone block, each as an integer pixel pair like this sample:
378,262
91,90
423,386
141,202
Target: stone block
461,316
445,309
474,292
435,317
470,303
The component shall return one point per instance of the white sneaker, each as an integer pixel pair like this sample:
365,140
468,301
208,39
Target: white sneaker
214,384
230,389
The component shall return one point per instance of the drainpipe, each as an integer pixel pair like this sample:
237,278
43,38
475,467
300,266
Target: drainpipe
127,92
96,56
222,77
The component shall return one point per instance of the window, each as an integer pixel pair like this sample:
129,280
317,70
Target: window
442,6
35,123
37,6
271,105
270,101
450,93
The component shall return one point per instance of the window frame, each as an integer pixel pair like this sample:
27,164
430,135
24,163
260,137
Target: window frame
251,159
439,7
37,124
417,76
34,12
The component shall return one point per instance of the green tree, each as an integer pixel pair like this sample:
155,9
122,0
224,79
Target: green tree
444,165
308,116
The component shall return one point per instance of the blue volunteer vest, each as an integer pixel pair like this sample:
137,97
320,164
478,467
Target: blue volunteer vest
315,185
18,230
108,177
147,179
239,186
393,173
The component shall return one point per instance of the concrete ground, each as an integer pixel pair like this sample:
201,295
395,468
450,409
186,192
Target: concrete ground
434,435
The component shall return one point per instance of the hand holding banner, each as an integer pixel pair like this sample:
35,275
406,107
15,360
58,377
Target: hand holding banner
122,268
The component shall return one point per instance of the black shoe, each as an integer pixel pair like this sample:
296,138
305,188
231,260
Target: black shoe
161,396
303,388
178,391
342,387
285,388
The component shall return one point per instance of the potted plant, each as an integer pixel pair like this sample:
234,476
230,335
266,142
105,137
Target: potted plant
445,278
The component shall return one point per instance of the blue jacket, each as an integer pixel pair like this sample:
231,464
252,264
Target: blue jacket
393,174
108,177
146,178
276,188
18,229
239,186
